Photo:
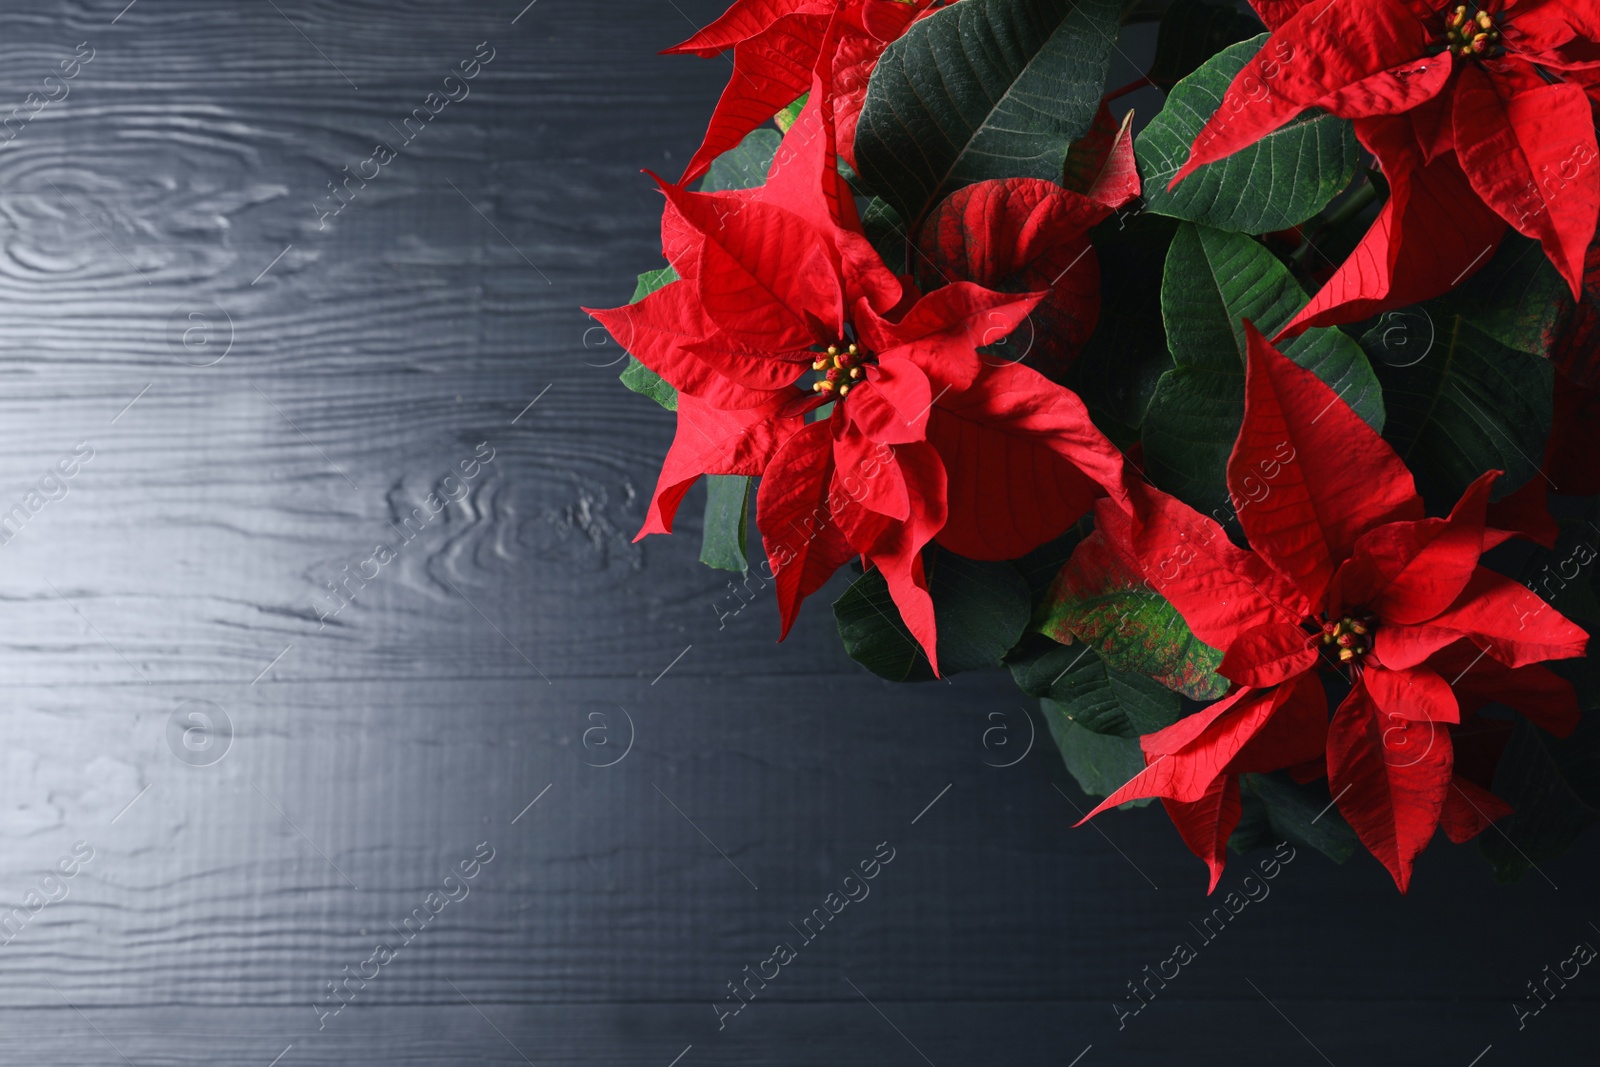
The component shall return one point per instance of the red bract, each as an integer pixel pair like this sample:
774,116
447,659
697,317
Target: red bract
1480,117
923,441
1023,235
1574,348
776,46
1344,575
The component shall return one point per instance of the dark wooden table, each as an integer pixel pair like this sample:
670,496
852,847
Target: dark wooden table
267,789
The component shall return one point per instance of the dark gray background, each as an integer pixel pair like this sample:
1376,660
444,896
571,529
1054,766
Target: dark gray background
368,358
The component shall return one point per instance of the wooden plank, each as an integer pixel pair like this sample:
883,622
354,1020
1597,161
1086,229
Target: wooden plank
375,353
369,356
849,1032
197,572
741,804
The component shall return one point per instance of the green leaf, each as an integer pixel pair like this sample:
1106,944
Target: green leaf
646,382
884,230
1254,828
1554,785
1467,405
1192,31
1565,576
1102,599
980,608
1213,281
982,89
785,118
1117,372
1278,182
1518,298
1102,763
636,375
650,281
745,165
1090,693
1041,566
727,516
1303,815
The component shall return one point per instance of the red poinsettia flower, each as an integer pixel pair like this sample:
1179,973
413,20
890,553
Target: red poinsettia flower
863,403
1480,116
776,46
1345,576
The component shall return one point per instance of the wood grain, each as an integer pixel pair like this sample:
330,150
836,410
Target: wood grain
1213,1032
372,751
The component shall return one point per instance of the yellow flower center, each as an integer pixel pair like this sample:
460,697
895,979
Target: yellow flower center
1471,34
841,370
1352,636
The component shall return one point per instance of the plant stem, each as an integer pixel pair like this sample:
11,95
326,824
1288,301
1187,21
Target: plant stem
1346,211
1131,87
1351,207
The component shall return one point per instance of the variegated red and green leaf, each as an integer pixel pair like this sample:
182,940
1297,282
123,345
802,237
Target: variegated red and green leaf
1102,599
1021,235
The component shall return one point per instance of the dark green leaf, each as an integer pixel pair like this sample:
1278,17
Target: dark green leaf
1091,694
1584,674
1041,566
885,231
1192,31
1554,785
745,165
1565,576
1036,662
980,608
1303,815
1278,182
1102,763
1518,298
1103,600
1117,371
1467,404
636,375
727,513
982,89
1254,828
1213,281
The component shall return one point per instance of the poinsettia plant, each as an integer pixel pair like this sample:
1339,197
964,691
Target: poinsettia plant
1255,435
